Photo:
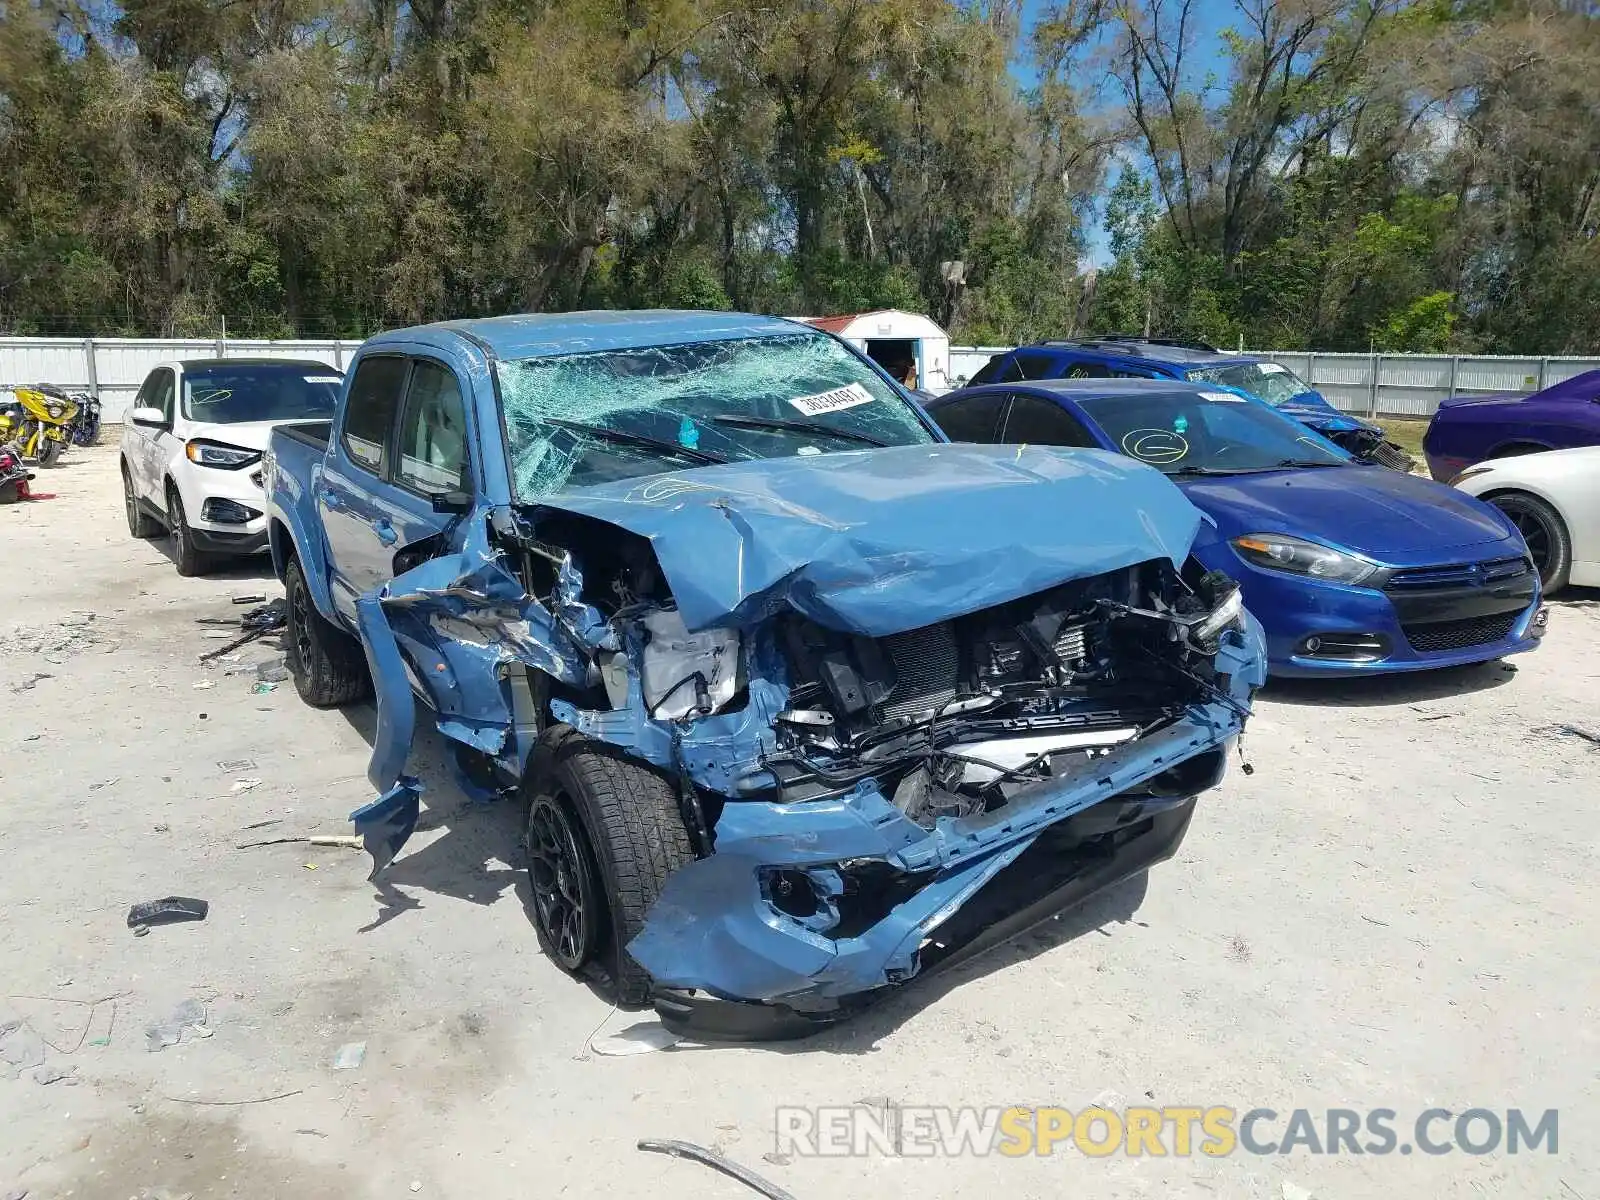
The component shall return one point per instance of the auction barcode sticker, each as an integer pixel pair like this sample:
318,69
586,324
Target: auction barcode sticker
848,396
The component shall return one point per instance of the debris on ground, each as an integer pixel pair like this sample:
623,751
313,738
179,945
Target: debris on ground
350,1056
21,1049
716,1162
244,785
1577,731
190,1015
237,764
53,1074
256,623
272,672
636,1039
261,689
201,685
348,841
27,685
257,599
266,618
55,642
167,911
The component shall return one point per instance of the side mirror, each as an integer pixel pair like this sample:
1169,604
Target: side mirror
152,417
452,502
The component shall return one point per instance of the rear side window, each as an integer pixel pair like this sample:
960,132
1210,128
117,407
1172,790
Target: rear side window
989,370
433,432
1039,423
972,419
1084,369
1034,366
370,410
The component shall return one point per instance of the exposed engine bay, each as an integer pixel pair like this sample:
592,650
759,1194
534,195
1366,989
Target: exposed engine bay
952,719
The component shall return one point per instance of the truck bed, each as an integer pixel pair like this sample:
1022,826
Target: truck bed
313,433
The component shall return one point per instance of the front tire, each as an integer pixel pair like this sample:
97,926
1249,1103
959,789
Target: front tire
189,561
328,666
619,819
50,451
140,524
1545,532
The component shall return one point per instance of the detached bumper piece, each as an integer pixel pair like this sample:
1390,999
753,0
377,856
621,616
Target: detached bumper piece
1067,865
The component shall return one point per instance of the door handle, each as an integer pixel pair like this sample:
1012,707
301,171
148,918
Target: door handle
385,532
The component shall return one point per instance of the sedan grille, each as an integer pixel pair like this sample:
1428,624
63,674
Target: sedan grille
1457,635
927,671
1497,570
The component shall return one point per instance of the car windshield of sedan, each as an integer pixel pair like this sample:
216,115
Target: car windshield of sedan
1208,433
580,419
1267,380
260,392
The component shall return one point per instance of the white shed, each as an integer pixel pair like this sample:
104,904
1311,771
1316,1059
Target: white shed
900,342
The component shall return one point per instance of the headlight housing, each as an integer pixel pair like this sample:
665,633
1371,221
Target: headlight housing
218,454
1297,556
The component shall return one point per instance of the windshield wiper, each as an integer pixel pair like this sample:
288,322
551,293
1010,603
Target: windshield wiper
1214,470
623,438
844,435
1311,462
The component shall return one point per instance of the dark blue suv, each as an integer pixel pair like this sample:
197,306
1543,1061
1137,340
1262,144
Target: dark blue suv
1122,356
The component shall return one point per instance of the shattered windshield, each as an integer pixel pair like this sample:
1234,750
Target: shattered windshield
581,419
1205,432
1269,381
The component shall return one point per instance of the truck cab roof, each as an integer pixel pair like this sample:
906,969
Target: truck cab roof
533,335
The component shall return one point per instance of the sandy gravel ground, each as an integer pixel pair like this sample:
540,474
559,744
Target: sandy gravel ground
1395,910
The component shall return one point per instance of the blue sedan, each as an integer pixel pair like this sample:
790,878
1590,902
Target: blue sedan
1351,569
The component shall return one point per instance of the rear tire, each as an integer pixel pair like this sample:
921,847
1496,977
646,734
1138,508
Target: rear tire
1545,532
189,561
623,818
140,523
328,665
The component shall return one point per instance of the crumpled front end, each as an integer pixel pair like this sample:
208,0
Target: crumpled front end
866,797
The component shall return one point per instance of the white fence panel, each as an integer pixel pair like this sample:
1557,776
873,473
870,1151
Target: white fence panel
1396,385
113,368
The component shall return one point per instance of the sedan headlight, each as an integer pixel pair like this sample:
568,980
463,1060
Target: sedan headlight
1279,552
216,454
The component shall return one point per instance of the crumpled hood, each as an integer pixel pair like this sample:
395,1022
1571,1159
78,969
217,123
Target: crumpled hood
1388,516
1317,411
880,541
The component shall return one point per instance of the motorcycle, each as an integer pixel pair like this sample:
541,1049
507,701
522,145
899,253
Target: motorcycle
86,428
39,420
13,475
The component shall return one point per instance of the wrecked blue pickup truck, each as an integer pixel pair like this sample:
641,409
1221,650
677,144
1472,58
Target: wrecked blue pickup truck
803,699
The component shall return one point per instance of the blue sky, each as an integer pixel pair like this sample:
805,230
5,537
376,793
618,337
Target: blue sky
1209,18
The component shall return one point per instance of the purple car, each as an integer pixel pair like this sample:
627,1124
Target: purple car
1473,429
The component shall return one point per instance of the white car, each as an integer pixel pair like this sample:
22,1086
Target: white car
1553,498
192,446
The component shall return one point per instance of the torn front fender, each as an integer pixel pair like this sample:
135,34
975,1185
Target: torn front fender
448,630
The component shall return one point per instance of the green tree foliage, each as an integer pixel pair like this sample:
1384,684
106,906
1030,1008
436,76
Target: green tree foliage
1343,174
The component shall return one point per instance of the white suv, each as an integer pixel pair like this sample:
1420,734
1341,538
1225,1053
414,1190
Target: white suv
192,445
